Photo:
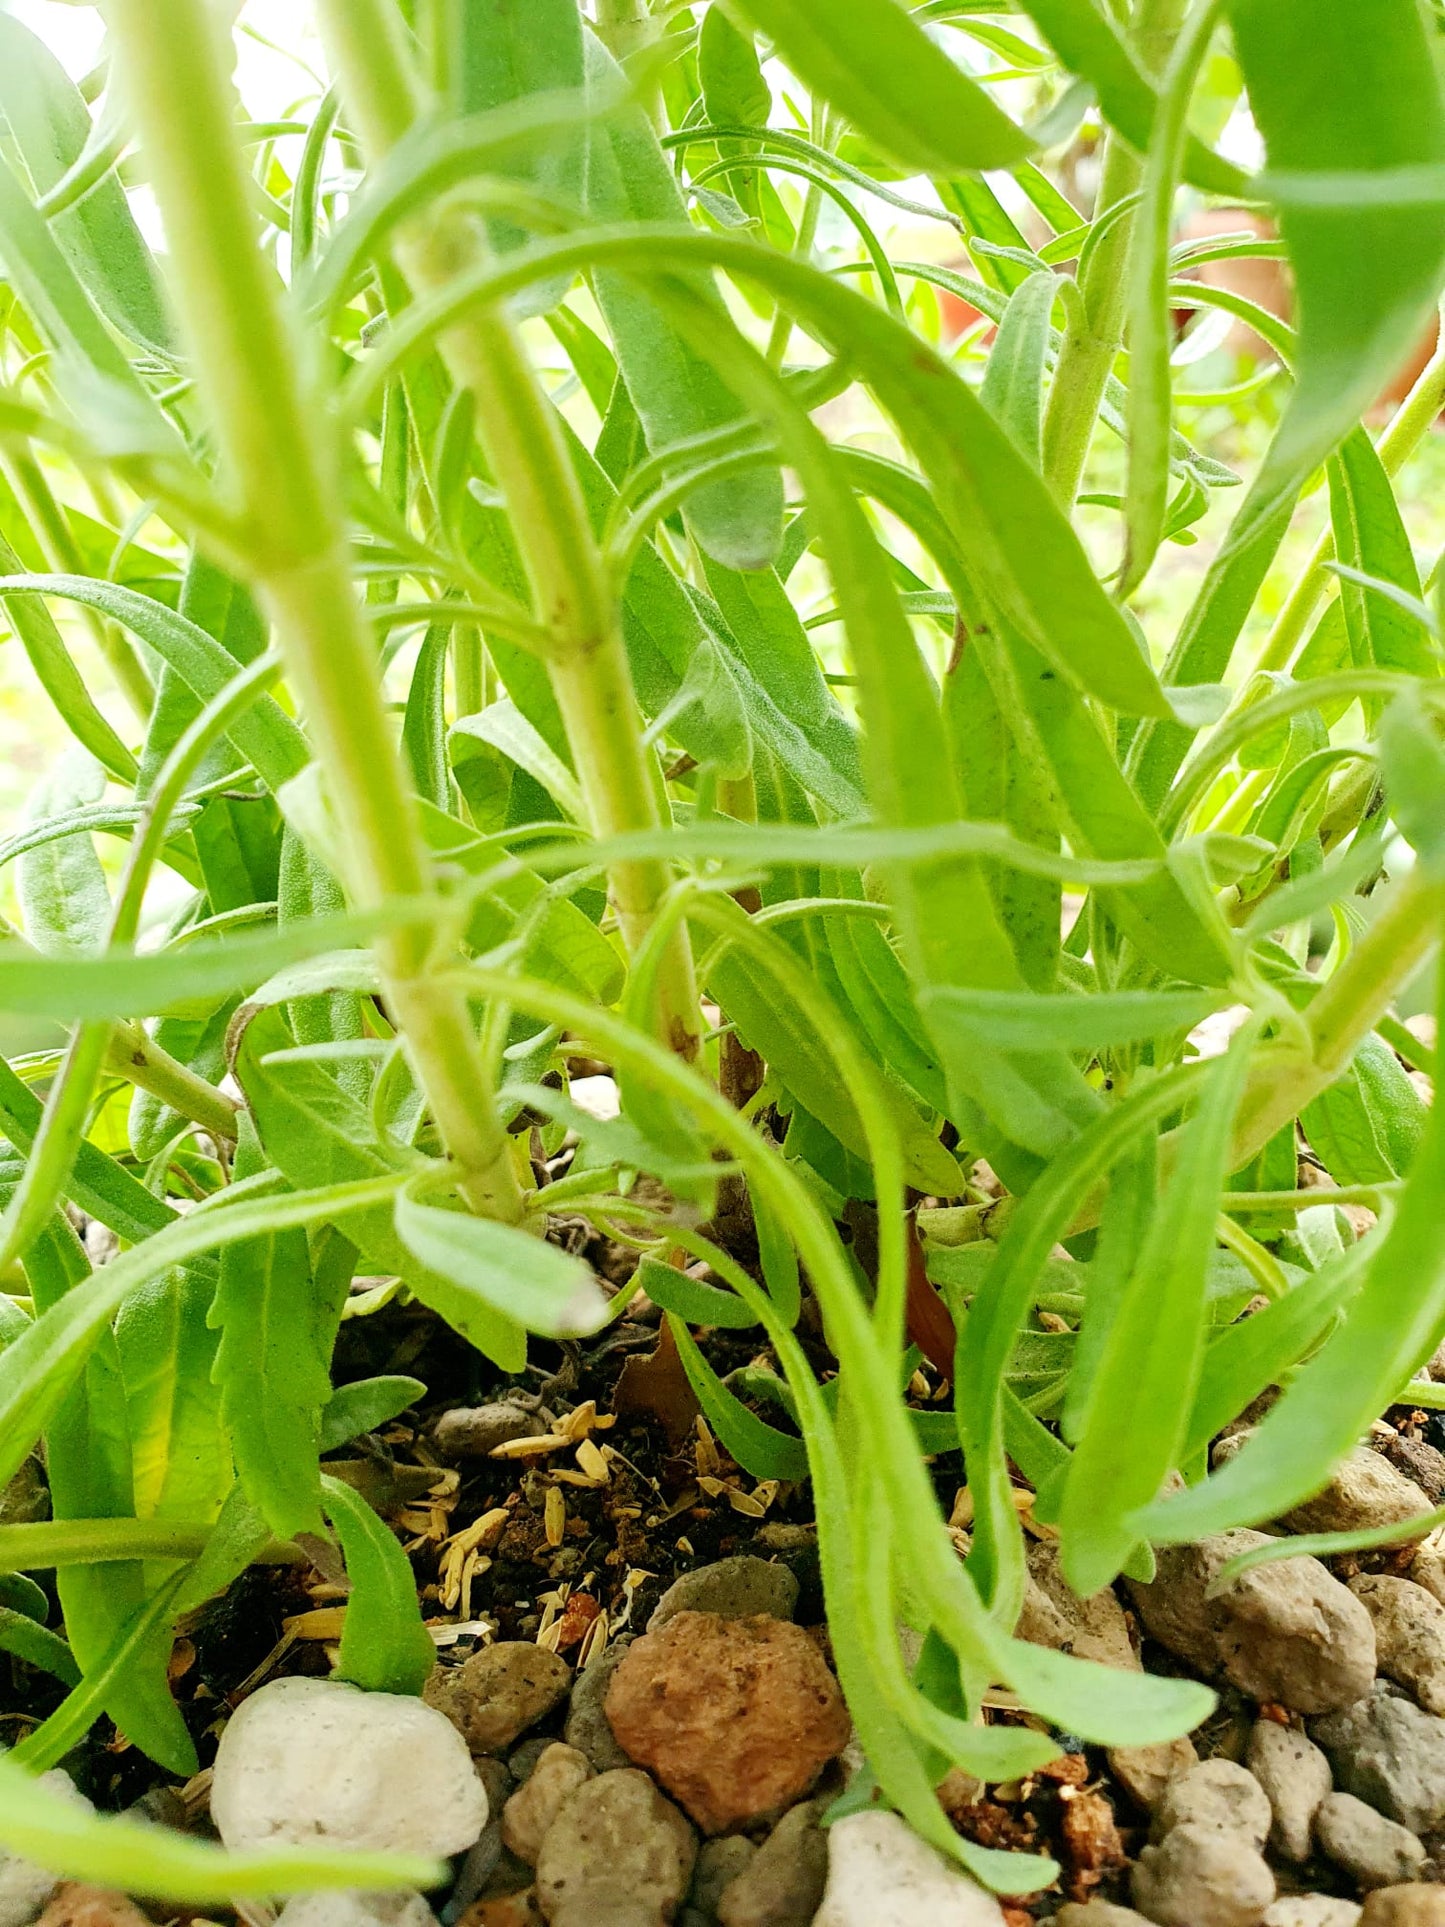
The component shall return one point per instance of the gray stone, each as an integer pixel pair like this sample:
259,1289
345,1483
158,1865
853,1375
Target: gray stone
307,1761
493,1697
1296,1777
1372,1850
1217,1794
616,1840
1145,1771
1420,1462
471,1432
1054,1616
1311,1910
1409,1634
1199,1877
783,1884
24,1887
523,1759
162,1806
880,1874
1288,1632
1365,1491
733,1588
350,1907
481,1860
529,1814
587,1725
719,1863
1388,1752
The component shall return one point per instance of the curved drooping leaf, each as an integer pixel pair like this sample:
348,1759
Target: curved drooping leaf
1393,1323
76,1843
893,82
1345,98
51,126
1088,42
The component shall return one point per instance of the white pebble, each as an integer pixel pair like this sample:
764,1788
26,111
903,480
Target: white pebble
24,1887
316,1760
880,1874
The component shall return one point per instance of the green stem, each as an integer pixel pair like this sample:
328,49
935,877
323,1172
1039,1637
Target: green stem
139,1059
1094,332
175,64
1397,442
469,669
520,436
1341,1016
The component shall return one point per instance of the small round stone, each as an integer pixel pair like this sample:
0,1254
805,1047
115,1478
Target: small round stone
616,1843
736,1588
1390,1753
1145,1771
529,1814
1311,1910
1200,1877
587,1728
1372,1850
1217,1794
782,1884
471,1432
1295,1776
880,1874
1409,1634
493,1697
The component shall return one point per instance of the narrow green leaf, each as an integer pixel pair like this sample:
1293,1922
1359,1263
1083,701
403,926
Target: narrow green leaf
39,1368
76,1844
37,1646
1393,1323
1086,39
1014,384
365,1406
896,85
142,1641
264,735
692,1301
1102,1020
676,392
536,1283
385,1648
276,1327
1256,1351
1370,537
1151,334
51,127
1320,106
759,1448
1149,1372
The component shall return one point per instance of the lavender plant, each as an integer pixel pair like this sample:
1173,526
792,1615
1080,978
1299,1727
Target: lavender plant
837,800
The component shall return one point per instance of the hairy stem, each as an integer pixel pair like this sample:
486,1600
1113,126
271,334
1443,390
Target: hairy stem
136,1056
175,62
